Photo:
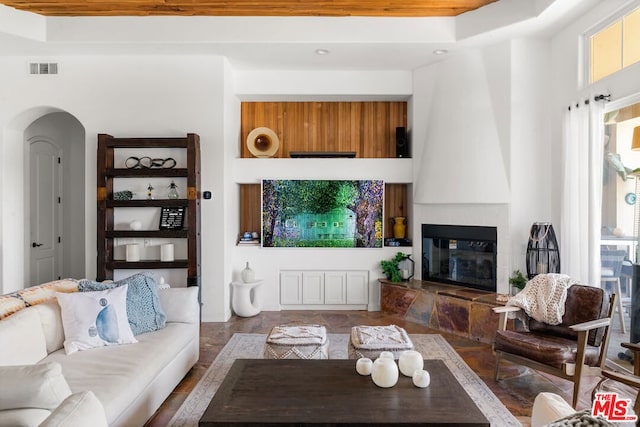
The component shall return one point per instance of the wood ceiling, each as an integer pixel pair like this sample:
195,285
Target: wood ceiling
371,8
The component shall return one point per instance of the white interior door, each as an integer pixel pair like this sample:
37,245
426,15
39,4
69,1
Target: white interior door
45,211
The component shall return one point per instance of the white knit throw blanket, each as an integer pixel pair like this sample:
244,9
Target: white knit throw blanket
543,297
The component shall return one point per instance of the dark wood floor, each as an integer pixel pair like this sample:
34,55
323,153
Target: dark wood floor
516,390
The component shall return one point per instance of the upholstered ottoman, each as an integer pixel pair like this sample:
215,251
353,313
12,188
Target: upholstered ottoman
370,341
297,342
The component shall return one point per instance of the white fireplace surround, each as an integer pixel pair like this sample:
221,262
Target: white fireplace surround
492,215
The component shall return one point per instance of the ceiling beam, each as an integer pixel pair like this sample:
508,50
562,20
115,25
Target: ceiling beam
336,8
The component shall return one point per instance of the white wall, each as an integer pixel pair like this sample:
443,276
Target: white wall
170,96
505,181
122,96
530,144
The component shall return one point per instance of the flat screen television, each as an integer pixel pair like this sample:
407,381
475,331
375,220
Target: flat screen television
322,213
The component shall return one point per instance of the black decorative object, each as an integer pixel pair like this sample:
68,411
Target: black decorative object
149,163
407,267
171,218
543,255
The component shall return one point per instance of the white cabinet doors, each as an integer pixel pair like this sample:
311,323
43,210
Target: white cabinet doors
290,287
325,289
313,287
357,287
335,287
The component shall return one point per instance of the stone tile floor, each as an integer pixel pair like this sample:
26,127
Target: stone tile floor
516,390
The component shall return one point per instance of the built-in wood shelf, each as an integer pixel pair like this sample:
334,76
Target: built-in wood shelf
366,128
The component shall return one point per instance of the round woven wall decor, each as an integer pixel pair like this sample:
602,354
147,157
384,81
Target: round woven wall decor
263,142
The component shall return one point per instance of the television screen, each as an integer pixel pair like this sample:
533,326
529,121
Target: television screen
322,213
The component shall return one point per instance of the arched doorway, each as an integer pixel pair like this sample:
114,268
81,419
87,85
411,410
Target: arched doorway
64,132
68,133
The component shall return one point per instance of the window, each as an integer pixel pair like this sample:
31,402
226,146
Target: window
615,47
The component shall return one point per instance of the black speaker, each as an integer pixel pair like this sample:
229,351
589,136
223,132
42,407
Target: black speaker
402,142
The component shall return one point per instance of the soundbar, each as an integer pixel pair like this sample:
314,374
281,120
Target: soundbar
322,154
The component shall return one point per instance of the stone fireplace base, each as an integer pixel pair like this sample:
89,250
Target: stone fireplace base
461,311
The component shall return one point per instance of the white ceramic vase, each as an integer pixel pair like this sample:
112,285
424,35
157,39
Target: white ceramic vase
384,372
386,355
409,362
248,275
421,378
364,365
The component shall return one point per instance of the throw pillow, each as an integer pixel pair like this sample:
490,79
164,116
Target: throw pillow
95,319
144,310
180,304
22,339
79,409
33,386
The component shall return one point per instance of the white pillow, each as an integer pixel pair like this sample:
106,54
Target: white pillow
22,340
33,386
95,319
549,407
51,321
79,409
180,304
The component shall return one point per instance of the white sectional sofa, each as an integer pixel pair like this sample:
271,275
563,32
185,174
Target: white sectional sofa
130,380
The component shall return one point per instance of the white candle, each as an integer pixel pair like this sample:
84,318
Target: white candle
542,268
404,274
133,253
166,252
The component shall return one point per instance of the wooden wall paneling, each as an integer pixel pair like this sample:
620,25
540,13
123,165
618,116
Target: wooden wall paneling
368,128
293,134
250,207
342,127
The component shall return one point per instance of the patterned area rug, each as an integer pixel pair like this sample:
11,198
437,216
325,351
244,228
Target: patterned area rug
251,346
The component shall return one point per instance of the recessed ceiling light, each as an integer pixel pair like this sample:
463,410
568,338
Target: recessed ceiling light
440,51
322,51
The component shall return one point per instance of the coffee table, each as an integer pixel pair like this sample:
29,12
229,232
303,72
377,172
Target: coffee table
259,392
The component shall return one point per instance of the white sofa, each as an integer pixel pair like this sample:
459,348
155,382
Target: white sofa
130,381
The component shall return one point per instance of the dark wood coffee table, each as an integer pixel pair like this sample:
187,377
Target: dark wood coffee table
330,393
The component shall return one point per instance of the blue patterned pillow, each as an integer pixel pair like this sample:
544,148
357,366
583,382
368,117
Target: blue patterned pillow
144,311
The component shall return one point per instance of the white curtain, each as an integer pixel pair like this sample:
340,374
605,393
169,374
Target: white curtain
581,209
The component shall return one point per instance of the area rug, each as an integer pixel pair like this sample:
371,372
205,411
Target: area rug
251,346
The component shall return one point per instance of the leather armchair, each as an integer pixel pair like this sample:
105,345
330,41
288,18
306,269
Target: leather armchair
575,347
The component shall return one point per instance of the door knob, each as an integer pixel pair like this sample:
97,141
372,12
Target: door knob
36,245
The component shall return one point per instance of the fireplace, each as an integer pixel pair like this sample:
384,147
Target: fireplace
460,254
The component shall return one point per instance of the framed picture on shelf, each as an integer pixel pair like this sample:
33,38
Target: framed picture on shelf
172,218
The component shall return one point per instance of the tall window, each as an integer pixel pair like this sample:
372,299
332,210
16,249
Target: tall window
615,47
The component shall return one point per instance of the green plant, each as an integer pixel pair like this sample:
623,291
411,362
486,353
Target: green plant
517,280
390,267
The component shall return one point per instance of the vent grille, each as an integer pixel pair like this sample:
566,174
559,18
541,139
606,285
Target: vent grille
43,68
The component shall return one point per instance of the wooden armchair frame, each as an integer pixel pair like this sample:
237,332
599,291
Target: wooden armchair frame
569,371
628,379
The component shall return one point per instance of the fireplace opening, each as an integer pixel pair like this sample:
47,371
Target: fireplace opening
462,255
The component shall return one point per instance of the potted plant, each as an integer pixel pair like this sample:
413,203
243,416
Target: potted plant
390,267
517,280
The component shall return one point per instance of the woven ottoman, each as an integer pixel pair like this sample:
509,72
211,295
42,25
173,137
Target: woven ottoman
370,341
297,342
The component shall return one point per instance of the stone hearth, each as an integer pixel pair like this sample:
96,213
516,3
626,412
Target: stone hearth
459,310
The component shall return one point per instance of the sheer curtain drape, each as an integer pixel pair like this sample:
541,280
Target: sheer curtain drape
581,210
